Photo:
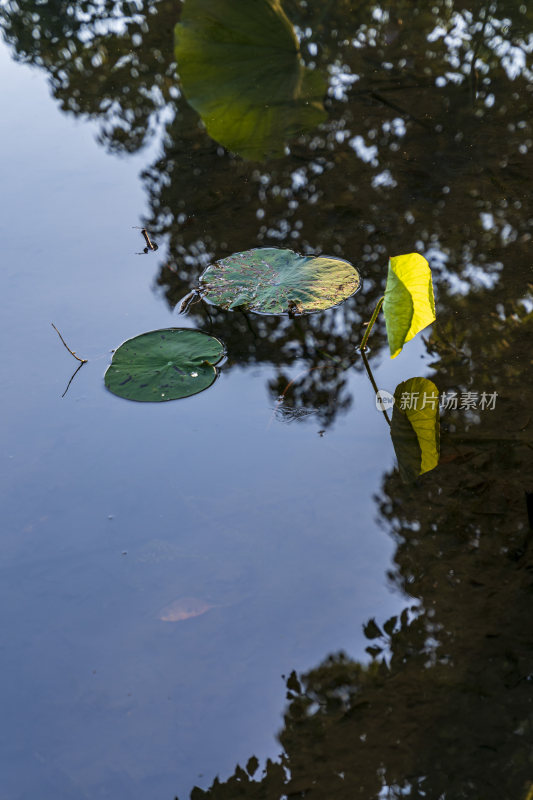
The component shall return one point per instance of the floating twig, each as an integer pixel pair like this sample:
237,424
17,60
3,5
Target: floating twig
72,353
149,244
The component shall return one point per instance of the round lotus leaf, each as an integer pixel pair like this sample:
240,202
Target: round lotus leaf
164,365
272,281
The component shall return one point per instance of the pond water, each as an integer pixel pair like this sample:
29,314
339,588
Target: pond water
267,512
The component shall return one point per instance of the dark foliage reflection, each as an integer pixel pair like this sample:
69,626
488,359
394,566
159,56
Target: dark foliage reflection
443,708
426,148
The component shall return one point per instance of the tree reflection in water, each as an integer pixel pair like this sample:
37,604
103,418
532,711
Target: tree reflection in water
426,147
444,707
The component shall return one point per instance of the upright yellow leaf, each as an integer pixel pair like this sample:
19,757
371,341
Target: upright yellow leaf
409,305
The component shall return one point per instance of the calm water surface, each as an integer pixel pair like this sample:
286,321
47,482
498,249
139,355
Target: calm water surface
286,521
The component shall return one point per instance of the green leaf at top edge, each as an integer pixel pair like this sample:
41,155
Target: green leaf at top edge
415,429
409,304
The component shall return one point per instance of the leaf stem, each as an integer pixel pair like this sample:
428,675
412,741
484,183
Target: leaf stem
371,324
72,353
374,384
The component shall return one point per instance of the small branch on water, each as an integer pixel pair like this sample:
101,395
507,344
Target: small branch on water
370,325
149,244
72,353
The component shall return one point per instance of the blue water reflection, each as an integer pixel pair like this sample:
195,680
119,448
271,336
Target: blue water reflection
112,510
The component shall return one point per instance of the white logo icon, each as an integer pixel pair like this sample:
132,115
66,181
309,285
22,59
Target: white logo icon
384,400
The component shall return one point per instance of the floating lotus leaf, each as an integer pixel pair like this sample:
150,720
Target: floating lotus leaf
240,69
415,427
409,305
273,281
164,365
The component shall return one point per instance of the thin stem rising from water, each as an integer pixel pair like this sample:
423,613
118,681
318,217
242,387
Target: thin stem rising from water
371,324
374,384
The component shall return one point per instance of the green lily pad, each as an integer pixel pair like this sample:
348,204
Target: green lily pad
164,365
415,427
272,281
240,69
409,305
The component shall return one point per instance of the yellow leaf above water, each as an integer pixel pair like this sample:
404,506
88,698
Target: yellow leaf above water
409,305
